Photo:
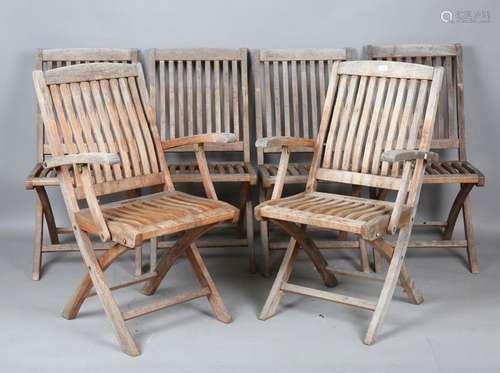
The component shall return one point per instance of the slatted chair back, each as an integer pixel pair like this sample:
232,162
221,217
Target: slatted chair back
103,107
199,91
449,127
372,107
47,59
290,90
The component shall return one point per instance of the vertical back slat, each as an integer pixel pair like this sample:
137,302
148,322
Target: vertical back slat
171,99
217,97
277,101
286,98
305,102
180,96
190,107
208,96
295,101
199,99
235,95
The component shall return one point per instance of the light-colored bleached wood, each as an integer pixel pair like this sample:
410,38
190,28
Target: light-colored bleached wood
386,83
203,92
49,59
131,221
449,131
289,93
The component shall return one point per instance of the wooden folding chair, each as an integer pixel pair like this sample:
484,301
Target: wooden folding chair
105,109
449,134
375,131
290,89
40,178
205,91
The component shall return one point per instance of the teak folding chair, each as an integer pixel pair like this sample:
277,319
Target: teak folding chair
290,89
449,134
40,178
375,131
84,105
205,91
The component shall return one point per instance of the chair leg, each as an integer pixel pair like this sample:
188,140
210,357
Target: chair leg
153,253
390,283
264,238
138,260
462,202
469,236
377,261
413,293
250,236
311,250
244,195
363,256
108,303
38,241
82,291
275,295
458,204
205,280
169,259
48,214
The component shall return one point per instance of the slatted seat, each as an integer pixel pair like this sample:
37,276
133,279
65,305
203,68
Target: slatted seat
132,221
361,216
219,172
449,134
451,172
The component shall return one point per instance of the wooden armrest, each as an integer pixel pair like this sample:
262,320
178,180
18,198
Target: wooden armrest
284,141
82,158
408,155
219,138
35,171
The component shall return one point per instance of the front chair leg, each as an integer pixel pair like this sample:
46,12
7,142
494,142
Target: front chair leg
311,250
275,295
413,293
390,283
104,293
75,302
205,280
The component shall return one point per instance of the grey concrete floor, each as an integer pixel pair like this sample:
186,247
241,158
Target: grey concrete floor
456,329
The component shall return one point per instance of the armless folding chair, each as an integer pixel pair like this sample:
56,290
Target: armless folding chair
290,89
375,131
84,105
40,178
205,91
449,134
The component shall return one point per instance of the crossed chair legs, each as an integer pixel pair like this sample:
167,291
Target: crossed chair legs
95,278
396,274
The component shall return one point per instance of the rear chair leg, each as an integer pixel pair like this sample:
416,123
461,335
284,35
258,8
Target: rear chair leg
390,283
205,280
138,260
264,238
469,236
153,253
250,237
275,295
363,256
38,242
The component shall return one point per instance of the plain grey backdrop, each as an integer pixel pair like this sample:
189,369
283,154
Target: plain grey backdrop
27,25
